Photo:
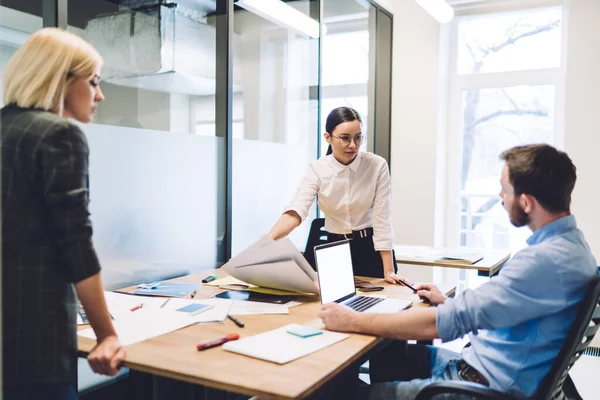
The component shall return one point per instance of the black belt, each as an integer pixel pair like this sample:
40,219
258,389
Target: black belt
468,373
362,234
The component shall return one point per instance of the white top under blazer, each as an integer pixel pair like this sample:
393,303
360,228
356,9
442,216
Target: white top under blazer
353,197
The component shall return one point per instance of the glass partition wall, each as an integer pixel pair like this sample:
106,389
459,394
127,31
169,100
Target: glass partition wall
213,110
276,123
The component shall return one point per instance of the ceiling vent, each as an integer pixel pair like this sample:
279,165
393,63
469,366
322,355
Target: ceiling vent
160,46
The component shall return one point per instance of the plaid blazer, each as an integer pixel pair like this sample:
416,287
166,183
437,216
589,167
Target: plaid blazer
46,244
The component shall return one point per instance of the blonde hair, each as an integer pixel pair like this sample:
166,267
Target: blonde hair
40,72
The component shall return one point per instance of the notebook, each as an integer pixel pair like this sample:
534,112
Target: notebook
166,289
461,257
279,346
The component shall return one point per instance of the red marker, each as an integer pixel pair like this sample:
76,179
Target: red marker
137,307
217,342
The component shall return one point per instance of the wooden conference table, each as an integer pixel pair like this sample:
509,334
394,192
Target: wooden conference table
174,355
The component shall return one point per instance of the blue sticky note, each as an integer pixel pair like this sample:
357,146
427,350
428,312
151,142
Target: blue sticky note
304,331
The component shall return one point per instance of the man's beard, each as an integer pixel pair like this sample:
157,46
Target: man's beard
518,217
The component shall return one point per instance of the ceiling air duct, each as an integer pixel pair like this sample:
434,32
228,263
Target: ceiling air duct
156,45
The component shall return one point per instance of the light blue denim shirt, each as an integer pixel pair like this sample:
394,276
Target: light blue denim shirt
519,319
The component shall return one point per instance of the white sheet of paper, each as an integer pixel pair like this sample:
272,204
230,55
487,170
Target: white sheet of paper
144,324
280,347
257,308
120,304
218,312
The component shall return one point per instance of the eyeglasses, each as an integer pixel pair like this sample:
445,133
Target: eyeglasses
348,139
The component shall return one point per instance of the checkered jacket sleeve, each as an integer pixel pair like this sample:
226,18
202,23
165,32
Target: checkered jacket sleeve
64,155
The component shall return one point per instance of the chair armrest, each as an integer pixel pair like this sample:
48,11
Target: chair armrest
570,390
459,387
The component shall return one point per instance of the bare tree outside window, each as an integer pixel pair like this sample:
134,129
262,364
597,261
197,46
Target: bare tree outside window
495,118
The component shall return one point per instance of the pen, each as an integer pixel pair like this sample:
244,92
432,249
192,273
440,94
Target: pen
407,285
136,307
209,278
236,321
425,299
217,342
194,293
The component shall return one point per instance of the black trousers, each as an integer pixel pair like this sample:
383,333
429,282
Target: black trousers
366,261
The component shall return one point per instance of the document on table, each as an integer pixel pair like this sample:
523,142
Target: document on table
120,305
218,312
144,324
257,308
280,347
430,254
230,280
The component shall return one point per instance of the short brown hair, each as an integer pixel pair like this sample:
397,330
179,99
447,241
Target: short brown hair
543,172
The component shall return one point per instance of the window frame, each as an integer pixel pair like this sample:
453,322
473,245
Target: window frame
457,83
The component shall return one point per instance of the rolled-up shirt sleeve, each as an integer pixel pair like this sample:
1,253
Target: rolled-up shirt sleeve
64,159
383,234
305,195
505,301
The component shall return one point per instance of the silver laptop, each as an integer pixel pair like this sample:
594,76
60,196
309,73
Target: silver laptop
336,281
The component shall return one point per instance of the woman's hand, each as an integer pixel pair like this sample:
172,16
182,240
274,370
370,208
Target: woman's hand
392,277
107,357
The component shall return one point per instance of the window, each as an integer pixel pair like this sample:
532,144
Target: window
505,89
17,21
346,67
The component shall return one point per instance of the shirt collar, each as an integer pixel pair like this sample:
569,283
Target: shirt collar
554,228
339,167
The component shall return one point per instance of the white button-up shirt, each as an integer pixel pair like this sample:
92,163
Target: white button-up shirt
352,197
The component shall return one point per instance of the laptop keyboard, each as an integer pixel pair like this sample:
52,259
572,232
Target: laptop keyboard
362,303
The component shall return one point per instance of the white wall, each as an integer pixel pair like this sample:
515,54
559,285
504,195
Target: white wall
415,88
582,141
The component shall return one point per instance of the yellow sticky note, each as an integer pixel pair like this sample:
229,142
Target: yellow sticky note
230,280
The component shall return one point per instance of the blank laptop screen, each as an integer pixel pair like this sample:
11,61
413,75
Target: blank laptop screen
334,266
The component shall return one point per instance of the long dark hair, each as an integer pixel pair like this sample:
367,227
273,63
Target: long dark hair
339,116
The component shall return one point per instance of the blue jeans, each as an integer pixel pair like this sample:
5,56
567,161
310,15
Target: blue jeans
41,391
423,365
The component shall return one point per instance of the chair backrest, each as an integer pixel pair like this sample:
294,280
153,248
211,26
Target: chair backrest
583,329
316,236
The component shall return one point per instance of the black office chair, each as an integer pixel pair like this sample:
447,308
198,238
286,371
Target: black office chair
557,385
316,236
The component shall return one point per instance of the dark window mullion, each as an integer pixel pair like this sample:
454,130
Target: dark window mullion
54,13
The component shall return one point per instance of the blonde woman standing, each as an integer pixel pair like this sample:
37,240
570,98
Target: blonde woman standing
46,231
